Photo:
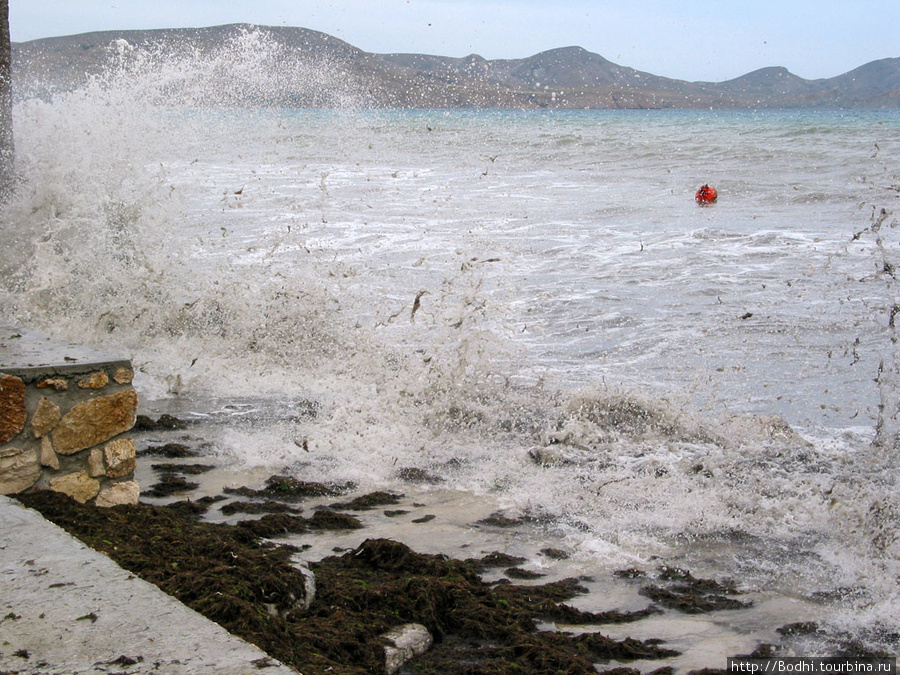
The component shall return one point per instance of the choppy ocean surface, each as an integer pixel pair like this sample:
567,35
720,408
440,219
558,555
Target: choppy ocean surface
527,305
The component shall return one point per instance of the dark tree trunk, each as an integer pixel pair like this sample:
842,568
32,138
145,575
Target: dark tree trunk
7,149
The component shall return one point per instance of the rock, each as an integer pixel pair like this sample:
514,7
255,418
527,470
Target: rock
46,416
12,407
120,457
303,603
96,380
19,470
95,463
309,582
53,383
48,455
123,375
404,642
79,486
124,492
91,422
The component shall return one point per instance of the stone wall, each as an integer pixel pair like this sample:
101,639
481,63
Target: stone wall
65,413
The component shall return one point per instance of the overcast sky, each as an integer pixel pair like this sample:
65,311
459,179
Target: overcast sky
691,40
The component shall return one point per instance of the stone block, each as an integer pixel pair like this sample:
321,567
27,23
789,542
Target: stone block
19,470
95,463
56,383
94,421
125,492
79,486
46,416
120,457
96,380
123,375
403,643
12,407
48,455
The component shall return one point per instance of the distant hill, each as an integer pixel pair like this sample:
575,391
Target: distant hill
568,77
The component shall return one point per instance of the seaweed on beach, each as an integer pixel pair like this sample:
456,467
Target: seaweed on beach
326,519
472,623
170,450
523,574
268,506
281,524
189,509
688,594
190,469
290,489
164,422
168,485
252,590
496,559
368,501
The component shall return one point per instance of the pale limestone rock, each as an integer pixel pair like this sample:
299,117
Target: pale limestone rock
91,422
46,416
404,642
309,582
123,375
120,457
53,383
95,463
79,486
48,455
96,380
12,407
19,470
125,492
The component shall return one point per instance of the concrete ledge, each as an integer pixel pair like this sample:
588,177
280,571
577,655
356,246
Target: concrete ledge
65,411
67,609
30,356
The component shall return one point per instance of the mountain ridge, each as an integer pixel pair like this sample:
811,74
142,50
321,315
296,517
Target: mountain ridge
564,77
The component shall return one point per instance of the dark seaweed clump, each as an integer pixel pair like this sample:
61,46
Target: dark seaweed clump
477,628
165,422
251,589
368,501
290,489
168,485
686,593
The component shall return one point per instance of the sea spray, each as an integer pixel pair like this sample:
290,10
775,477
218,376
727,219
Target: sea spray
98,212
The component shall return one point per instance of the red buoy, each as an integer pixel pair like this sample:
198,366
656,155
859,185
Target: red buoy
706,194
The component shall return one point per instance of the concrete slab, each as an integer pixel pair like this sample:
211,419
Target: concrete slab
67,609
30,355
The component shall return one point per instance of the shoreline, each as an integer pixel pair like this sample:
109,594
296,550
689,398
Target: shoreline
253,591
394,586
